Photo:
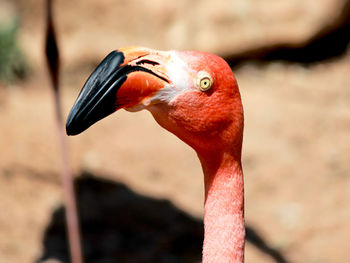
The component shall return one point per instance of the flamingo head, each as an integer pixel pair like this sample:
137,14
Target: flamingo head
192,94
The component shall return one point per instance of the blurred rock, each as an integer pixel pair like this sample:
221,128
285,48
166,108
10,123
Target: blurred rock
90,28
7,13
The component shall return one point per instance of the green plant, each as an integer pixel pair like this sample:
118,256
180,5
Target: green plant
12,63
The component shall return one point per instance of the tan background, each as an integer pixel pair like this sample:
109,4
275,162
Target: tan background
296,151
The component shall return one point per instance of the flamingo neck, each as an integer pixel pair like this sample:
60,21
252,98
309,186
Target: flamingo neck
224,231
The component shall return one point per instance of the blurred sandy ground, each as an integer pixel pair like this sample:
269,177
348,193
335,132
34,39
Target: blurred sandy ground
296,148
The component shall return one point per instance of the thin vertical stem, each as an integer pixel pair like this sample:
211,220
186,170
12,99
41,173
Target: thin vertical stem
52,55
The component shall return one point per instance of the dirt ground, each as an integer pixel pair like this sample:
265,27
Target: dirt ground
296,157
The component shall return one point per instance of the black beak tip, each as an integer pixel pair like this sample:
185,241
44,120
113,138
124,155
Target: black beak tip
97,98
71,131
76,128
73,128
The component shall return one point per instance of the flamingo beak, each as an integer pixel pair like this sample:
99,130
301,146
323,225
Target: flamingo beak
124,79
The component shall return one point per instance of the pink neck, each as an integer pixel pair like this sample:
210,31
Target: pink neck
224,231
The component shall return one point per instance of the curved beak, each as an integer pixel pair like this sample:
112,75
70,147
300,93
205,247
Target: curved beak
124,79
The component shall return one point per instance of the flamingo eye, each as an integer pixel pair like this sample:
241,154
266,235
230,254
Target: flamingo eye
204,80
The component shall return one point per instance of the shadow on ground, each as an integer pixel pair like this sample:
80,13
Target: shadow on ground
119,225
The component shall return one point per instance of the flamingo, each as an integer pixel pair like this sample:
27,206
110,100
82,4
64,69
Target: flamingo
195,96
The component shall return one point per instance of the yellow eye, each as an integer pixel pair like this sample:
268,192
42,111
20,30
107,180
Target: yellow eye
204,80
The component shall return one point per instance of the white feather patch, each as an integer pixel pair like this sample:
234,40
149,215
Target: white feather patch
181,80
